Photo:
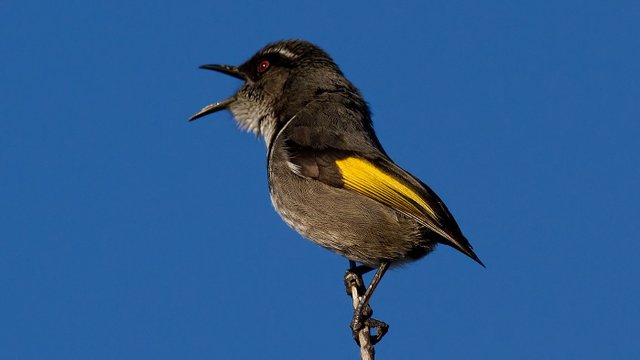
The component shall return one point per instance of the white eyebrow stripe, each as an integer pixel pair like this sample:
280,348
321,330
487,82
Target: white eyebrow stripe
284,52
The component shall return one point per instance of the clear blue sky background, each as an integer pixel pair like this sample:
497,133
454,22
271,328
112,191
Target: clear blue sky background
128,233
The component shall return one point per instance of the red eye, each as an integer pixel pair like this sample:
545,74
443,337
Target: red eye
264,65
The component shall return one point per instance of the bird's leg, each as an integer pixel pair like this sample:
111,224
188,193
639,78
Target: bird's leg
362,313
359,313
359,269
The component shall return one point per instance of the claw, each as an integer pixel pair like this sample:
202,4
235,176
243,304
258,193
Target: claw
352,279
358,324
381,330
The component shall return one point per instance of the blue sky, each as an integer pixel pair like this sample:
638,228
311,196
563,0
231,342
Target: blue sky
127,232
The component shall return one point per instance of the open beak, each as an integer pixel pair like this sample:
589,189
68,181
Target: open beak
224,104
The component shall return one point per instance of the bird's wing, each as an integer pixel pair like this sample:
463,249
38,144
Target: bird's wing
318,154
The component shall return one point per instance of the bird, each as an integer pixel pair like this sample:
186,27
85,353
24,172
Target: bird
329,177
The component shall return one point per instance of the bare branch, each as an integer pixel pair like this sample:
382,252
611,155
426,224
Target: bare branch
355,288
367,352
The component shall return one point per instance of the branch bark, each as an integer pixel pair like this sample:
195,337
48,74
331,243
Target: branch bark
355,288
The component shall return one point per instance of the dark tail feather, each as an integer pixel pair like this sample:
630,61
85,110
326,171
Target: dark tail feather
464,247
469,252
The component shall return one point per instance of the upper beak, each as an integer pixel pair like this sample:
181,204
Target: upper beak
224,104
226,69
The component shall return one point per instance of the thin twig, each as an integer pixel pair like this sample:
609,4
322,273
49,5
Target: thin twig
355,286
367,351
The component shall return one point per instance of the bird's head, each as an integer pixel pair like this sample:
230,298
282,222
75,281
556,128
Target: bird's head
279,80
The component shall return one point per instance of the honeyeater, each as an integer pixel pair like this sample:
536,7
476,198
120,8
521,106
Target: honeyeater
329,177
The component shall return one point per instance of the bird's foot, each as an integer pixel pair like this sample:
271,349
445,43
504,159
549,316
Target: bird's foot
353,277
365,320
351,280
362,315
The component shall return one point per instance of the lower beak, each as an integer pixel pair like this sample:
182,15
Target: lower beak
210,109
224,104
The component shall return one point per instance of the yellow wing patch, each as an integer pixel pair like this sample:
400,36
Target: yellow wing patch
364,177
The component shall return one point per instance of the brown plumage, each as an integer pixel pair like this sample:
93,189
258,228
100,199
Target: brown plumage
329,177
